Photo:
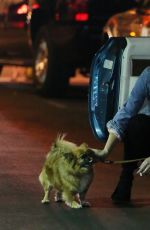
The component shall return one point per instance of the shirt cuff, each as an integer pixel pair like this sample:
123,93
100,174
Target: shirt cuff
114,132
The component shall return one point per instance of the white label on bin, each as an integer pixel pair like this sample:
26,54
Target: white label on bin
108,64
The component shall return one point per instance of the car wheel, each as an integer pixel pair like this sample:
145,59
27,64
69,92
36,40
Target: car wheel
49,73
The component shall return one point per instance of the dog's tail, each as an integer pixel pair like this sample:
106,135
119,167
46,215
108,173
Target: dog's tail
60,137
61,146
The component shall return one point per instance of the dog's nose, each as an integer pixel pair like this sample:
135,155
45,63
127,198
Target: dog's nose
88,161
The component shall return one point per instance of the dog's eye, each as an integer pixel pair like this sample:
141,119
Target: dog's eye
69,156
84,156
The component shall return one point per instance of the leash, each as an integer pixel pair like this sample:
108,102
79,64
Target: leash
99,159
123,161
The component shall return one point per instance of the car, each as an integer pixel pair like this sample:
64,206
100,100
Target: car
53,36
134,22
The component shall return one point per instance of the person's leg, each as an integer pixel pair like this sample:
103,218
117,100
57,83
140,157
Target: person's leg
136,145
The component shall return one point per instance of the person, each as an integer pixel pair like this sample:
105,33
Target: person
131,124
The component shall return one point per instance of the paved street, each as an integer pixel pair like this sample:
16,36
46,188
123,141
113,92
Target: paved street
28,126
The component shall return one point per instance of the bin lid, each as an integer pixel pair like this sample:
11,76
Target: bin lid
104,85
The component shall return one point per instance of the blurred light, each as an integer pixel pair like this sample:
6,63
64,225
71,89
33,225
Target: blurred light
82,17
132,34
18,24
57,16
23,9
35,6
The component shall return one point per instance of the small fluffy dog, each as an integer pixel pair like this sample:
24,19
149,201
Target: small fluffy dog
68,169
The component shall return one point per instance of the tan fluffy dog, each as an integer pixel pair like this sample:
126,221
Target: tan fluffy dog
68,169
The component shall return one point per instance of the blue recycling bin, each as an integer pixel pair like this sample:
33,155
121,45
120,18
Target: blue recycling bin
114,71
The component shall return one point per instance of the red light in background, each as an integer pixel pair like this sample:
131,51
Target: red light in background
23,9
57,16
82,17
19,25
35,6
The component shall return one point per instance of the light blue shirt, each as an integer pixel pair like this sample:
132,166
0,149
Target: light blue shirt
138,102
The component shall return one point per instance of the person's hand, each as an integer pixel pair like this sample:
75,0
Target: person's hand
100,154
144,168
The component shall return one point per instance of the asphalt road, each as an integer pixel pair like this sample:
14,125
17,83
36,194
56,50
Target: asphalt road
28,126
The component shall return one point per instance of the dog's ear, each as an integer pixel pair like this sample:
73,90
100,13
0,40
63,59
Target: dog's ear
83,146
69,156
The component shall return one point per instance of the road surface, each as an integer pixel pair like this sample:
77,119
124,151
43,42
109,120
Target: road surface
28,126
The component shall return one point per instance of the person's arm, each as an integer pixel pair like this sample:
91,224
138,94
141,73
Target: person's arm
110,143
132,106
118,124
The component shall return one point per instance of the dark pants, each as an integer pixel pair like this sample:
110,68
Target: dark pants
137,140
136,145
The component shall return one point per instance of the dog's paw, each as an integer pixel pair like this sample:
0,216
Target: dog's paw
85,204
73,204
45,201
